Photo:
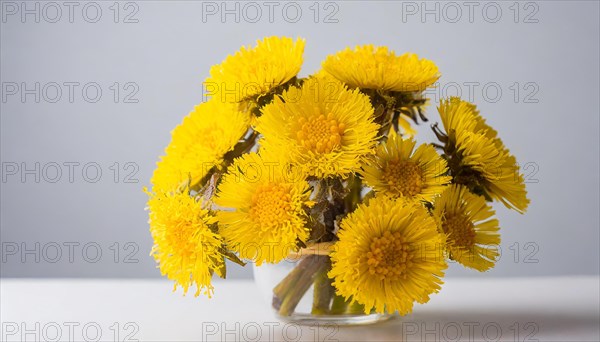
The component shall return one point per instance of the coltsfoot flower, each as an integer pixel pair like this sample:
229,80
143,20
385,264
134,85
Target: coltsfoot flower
397,169
471,231
388,256
255,71
267,209
186,245
199,143
320,127
478,158
378,68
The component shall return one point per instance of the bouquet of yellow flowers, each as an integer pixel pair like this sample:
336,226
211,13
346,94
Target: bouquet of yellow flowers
325,170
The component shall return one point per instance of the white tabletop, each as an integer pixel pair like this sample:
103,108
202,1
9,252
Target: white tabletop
467,309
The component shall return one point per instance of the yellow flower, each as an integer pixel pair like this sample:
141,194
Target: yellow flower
267,213
199,144
398,169
479,159
255,71
509,186
186,248
405,128
472,233
321,127
388,256
458,116
378,68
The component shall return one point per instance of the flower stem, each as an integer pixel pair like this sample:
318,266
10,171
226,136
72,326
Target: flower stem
355,308
323,291
281,290
339,305
354,195
290,291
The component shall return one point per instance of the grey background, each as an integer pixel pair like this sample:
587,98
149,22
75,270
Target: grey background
551,126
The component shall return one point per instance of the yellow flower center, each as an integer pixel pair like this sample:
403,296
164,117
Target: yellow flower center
460,228
271,205
389,256
404,177
321,134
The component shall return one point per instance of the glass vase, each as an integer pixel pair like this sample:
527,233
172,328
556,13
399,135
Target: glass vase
299,291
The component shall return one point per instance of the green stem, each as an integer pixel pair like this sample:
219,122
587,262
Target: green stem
290,293
323,291
355,308
339,305
353,198
281,290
